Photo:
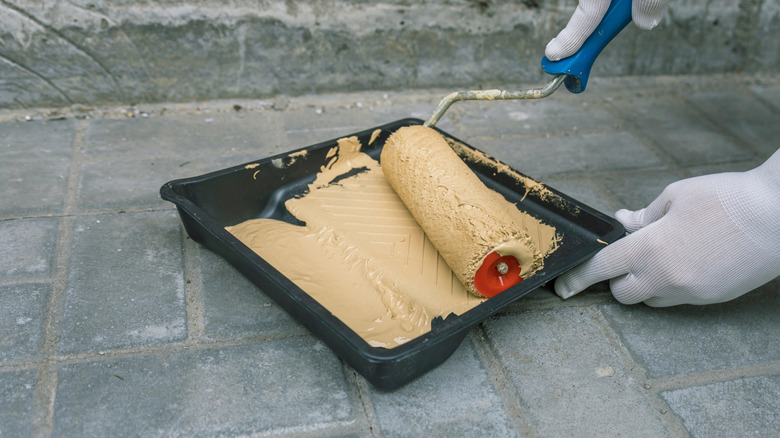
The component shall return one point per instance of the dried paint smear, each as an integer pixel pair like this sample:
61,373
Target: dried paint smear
362,255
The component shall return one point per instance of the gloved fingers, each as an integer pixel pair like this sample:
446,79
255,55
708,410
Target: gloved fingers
583,22
628,289
631,220
608,263
635,220
640,283
646,14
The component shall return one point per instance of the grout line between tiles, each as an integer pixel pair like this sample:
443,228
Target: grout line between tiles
131,352
513,405
46,386
671,421
87,213
31,279
683,381
359,386
193,289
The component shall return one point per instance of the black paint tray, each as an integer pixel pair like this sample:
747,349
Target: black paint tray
210,202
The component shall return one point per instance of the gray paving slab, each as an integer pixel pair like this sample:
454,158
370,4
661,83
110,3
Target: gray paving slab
33,186
234,307
584,191
34,163
117,184
387,108
744,407
532,117
542,157
28,247
36,139
125,285
720,168
184,135
295,386
635,190
768,94
682,134
437,405
318,121
565,371
17,401
311,124
749,120
133,183
21,327
694,339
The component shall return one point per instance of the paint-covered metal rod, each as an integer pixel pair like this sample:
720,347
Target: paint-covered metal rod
532,93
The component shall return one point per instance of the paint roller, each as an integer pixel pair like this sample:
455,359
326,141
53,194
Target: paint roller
467,222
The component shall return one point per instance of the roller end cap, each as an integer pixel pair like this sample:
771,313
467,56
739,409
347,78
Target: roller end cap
497,274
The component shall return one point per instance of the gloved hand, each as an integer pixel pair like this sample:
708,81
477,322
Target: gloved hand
646,14
704,240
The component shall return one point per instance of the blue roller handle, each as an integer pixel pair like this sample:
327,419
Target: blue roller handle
577,66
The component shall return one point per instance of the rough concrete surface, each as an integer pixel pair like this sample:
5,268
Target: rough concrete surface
60,53
115,323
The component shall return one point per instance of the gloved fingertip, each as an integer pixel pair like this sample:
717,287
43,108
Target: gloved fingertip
564,289
631,220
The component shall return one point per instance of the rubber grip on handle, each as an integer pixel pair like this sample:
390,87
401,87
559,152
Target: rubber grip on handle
577,66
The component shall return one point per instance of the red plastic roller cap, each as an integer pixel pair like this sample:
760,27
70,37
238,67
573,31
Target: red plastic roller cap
490,282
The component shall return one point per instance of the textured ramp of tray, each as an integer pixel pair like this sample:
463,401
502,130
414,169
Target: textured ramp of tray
364,210
352,286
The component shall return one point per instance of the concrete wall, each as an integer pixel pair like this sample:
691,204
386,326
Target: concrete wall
57,53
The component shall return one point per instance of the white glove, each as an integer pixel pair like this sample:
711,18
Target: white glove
705,240
646,14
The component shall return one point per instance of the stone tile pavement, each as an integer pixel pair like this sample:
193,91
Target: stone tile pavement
114,323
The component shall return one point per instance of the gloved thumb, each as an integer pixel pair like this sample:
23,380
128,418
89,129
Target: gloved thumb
610,262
